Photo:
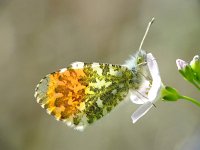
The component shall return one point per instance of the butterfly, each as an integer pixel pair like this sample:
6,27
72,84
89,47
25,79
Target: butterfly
82,93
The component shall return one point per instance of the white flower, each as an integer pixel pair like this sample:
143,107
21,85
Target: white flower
150,90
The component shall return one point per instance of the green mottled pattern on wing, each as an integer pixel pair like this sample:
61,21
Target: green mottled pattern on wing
108,86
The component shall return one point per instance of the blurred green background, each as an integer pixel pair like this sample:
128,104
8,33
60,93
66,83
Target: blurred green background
41,36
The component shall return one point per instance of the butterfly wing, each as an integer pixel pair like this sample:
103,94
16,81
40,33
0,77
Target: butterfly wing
83,93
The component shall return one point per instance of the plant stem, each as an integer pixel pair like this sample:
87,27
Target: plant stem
196,85
194,101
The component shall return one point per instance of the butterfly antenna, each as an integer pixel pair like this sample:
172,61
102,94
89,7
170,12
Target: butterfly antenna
146,32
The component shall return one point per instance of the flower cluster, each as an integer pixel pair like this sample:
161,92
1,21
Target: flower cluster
190,71
153,89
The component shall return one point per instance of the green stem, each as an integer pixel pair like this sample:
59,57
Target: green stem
196,85
194,101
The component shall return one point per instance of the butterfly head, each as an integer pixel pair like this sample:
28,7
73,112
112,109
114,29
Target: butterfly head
141,57
136,61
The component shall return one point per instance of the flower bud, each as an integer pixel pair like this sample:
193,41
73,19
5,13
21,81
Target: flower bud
170,94
181,64
195,65
185,70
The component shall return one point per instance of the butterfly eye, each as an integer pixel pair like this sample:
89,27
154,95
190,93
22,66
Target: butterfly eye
139,60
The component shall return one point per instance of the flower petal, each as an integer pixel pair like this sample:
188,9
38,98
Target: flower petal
141,111
153,66
154,92
140,96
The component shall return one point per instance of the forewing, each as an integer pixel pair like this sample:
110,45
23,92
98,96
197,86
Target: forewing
83,93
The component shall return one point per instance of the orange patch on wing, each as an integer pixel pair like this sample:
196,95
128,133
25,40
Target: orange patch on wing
66,93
